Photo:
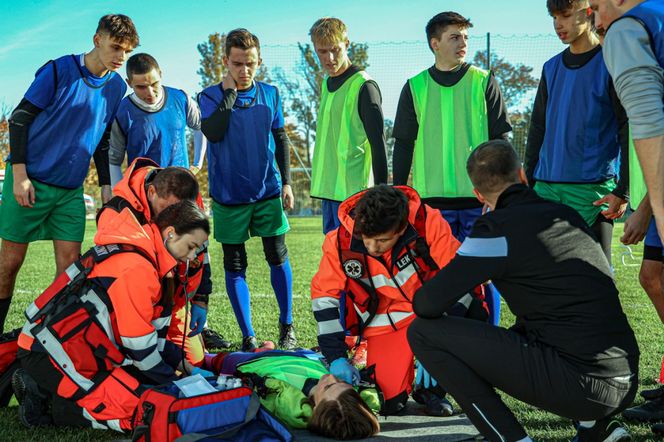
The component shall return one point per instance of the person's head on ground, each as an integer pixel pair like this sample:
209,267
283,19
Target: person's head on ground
339,412
114,39
447,36
144,77
381,217
171,185
493,167
330,39
606,12
184,228
572,19
242,57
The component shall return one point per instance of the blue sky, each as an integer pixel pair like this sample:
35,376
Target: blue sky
35,31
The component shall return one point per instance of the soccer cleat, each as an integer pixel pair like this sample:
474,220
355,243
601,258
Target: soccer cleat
287,339
33,406
649,411
249,344
604,430
214,340
654,393
434,405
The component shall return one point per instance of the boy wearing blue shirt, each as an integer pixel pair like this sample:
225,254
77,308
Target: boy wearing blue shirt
151,122
64,118
248,160
578,133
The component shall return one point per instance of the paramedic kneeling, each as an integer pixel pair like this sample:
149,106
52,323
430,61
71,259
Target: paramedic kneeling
571,350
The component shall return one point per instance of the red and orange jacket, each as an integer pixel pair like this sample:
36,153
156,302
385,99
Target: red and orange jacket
347,270
121,317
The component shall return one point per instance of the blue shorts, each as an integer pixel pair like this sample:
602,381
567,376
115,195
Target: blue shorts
461,221
330,215
652,245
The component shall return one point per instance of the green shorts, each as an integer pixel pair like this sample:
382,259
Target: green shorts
236,224
580,197
57,214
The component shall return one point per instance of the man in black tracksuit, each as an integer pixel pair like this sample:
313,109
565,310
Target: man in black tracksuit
571,350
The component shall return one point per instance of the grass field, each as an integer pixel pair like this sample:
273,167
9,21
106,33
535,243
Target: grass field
304,242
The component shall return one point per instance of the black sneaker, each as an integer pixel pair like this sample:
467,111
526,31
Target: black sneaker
654,393
249,344
33,406
650,411
604,430
213,339
287,339
434,405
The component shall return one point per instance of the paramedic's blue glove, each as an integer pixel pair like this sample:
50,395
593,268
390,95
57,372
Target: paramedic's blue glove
422,377
342,369
204,373
198,318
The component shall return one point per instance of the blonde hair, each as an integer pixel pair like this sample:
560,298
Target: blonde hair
328,30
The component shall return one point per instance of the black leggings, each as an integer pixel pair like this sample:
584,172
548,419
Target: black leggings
603,230
470,358
274,248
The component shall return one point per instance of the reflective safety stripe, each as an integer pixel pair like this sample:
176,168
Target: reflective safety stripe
140,342
114,424
331,326
72,271
383,319
160,323
484,247
402,277
466,300
161,344
324,303
148,362
57,353
206,257
27,329
102,315
31,311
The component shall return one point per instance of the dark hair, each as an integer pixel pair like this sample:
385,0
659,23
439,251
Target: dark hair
242,39
119,27
493,165
176,181
139,64
381,209
184,217
348,417
439,23
558,6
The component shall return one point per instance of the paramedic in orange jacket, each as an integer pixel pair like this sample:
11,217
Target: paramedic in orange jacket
388,243
146,189
95,352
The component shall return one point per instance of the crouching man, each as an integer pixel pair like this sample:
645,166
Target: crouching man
571,350
388,243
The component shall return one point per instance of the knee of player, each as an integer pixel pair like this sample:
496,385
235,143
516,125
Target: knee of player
277,254
236,261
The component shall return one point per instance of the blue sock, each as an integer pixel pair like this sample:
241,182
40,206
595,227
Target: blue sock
281,277
492,297
238,293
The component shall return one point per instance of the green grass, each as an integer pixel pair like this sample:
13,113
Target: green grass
304,243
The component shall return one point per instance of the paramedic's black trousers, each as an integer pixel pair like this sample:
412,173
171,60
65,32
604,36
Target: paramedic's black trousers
470,358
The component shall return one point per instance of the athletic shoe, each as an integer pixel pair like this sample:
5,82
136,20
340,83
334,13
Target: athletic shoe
434,405
658,429
287,339
654,393
359,358
650,411
249,344
33,406
214,340
604,430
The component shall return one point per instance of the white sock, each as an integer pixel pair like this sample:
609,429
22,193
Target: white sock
587,424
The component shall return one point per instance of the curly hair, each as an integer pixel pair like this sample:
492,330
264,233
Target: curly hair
381,209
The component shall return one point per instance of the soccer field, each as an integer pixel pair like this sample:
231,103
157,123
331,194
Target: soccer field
304,244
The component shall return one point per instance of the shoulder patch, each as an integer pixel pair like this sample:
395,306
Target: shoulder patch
353,268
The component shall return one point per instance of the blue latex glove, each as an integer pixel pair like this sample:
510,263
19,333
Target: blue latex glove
198,318
422,377
343,370
204,373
